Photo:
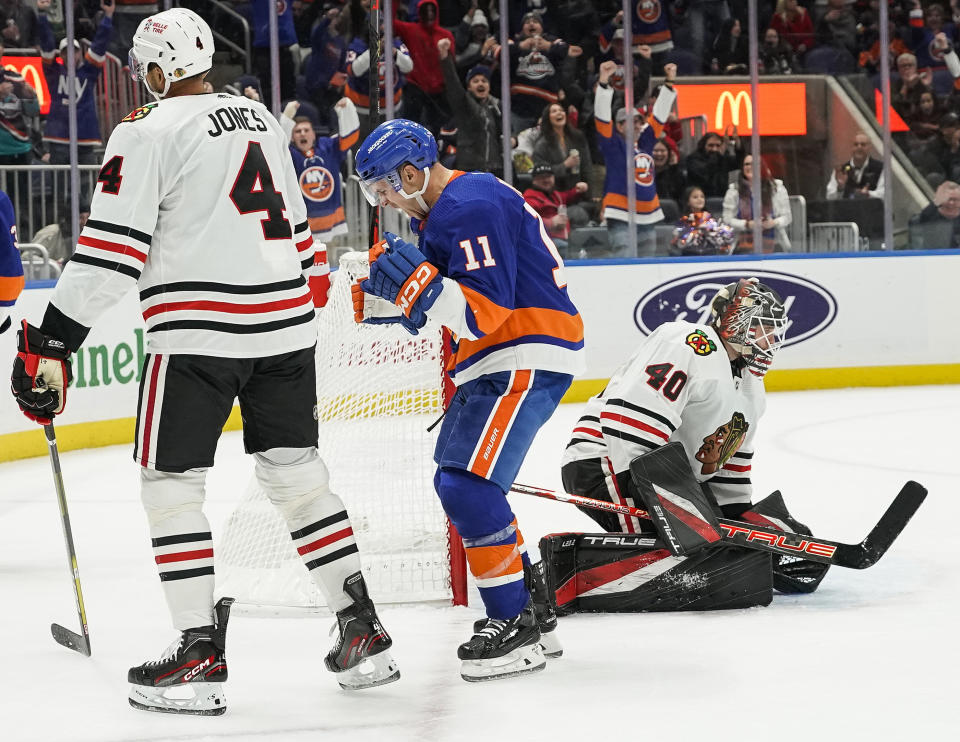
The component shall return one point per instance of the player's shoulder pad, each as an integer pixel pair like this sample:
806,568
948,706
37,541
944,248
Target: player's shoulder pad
140,112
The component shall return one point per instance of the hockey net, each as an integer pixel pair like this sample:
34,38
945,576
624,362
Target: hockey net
378,389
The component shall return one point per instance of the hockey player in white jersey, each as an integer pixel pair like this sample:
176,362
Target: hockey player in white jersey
701,385
198,206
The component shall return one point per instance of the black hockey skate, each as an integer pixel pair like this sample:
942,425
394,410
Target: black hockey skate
361,657
543,609
503,648
188,678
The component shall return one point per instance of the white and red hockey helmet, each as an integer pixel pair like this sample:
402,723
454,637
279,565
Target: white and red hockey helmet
752,319
178,41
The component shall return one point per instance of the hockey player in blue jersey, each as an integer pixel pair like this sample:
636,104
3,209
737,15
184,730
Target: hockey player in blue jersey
486,269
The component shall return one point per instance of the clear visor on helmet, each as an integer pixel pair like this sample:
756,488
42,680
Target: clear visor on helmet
374,193
137,67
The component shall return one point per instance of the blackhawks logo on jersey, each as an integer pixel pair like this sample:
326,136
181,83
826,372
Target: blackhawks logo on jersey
701,344
139,112
722,443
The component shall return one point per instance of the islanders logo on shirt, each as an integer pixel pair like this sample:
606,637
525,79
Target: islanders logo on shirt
316,183
648,11
643,169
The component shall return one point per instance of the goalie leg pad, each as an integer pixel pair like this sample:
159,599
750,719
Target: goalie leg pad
632,573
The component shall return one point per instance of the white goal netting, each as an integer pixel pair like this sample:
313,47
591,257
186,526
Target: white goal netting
378,389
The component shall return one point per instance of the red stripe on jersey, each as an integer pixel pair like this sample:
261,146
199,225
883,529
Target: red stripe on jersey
305,244
588,431
736,467
184,556
228,307
325,541
617,418
112,247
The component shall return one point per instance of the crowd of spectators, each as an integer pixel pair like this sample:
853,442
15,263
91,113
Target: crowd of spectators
448,61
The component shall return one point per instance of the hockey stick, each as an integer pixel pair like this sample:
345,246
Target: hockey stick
761,538
63,635
375,48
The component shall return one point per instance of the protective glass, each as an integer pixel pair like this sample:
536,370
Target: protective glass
137,67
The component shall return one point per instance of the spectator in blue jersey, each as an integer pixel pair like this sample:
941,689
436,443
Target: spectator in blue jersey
56,131
358,78
535,71
11,269
476,114
485,269
925,24
651,27
286,37
325,68
641,63
614,147
317,161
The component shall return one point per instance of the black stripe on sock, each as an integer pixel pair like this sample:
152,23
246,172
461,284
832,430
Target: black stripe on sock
322,523
232,328
185,574
333,556
728,480
110,265
181,538
143,237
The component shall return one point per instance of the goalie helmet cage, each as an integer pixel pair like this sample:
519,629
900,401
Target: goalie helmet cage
378,389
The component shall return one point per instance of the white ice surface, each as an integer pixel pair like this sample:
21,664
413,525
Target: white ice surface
872,655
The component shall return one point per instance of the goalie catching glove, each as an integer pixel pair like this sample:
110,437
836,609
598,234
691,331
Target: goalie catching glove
41,373
401,274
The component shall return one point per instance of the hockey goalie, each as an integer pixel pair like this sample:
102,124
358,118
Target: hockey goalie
700,385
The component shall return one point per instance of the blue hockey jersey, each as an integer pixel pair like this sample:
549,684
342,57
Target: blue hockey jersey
11,269
57,127
482,234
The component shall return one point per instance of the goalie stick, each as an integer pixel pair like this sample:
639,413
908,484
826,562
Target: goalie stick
375,47
63,635
854,556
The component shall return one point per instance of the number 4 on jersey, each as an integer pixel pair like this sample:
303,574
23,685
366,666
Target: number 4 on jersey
254,191
109,175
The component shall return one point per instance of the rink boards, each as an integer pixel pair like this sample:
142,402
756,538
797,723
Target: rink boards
880,319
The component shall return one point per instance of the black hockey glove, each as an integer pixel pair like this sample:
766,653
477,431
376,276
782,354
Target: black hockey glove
41,373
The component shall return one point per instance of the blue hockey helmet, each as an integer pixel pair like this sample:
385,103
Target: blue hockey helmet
389,147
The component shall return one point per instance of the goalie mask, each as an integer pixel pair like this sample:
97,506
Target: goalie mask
751,318
178,41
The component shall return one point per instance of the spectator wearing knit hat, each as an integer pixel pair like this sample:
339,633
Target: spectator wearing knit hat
474,43
476,114
552,205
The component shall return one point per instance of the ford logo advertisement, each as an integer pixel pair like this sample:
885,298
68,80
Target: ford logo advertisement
810,307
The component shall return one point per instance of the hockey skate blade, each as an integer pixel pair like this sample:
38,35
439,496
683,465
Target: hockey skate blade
198,699
70,640
550,644
520,661
379,669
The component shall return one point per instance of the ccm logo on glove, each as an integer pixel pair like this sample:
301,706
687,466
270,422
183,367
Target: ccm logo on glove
411,290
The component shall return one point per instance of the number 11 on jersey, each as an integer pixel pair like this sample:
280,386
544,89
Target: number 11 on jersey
472,263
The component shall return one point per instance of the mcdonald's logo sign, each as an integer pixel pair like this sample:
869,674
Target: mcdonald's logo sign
32,70
781,107
738,102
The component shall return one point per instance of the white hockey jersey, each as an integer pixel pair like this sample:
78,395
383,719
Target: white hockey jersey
678,386
198,204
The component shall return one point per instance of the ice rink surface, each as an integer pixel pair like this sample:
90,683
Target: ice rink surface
872,655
